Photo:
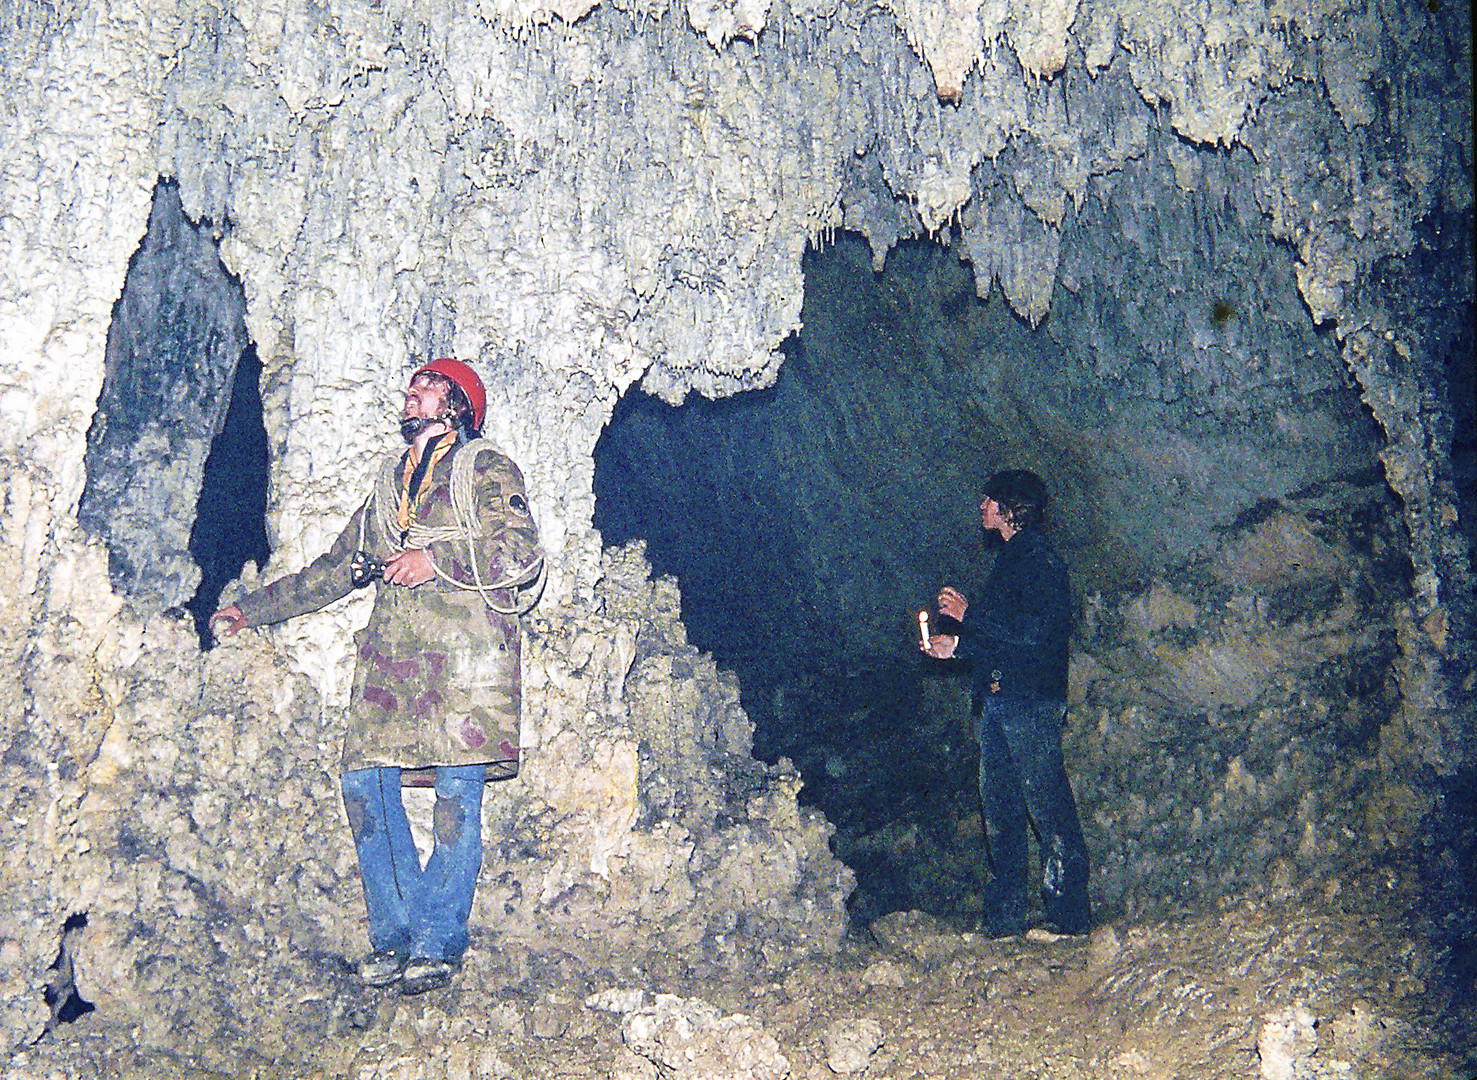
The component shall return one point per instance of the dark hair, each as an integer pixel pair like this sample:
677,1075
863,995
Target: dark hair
1021,495
456,401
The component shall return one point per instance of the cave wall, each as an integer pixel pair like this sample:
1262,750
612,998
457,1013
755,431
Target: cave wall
1229,721
209,849
1223,734
577,197
841,498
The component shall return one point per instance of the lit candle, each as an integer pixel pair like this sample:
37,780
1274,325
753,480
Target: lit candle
923,629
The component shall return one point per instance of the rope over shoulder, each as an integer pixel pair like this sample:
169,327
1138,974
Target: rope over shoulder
467,528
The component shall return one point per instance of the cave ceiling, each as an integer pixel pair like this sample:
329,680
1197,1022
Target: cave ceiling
591,195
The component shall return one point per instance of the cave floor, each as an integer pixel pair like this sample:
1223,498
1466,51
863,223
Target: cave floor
1342,985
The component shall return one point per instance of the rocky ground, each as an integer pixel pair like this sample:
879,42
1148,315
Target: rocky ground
1327,986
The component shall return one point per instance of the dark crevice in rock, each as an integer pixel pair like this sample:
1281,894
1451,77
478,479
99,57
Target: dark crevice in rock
1448,877
61,995
230,527
177,336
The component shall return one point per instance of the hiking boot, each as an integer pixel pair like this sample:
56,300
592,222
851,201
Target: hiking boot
382,967
423,973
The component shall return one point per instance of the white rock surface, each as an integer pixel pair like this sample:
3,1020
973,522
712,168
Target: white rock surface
850,1044
1286,1042
622,193
689,1038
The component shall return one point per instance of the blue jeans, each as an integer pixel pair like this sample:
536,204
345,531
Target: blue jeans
1023,782
422,912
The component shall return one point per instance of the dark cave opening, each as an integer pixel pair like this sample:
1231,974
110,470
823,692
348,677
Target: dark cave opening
176,455
723,494
859,729
809,522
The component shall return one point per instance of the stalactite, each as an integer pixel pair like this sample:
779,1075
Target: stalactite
284,121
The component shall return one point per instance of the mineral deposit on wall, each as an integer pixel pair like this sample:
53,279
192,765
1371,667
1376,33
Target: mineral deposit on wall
575,198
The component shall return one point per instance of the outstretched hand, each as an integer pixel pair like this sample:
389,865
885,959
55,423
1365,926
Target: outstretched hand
952,603
232,618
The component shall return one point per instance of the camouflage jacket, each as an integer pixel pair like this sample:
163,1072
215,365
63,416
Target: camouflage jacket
437,680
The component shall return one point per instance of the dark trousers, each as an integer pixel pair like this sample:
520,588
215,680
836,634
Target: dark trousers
1023,782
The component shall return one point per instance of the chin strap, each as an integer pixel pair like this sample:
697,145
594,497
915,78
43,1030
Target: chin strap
411,428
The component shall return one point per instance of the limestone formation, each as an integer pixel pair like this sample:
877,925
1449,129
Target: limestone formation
578,197
1285,1043
689,1038
850,1044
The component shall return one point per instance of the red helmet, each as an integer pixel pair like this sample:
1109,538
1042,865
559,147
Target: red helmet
465,379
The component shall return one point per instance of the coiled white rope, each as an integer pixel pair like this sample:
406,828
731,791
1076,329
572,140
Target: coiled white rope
467,527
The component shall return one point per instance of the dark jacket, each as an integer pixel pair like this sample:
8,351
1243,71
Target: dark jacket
1016,628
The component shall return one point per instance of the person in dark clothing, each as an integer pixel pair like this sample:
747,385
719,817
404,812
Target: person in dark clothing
1015,633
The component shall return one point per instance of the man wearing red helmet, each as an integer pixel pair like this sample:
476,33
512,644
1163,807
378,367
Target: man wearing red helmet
447,538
